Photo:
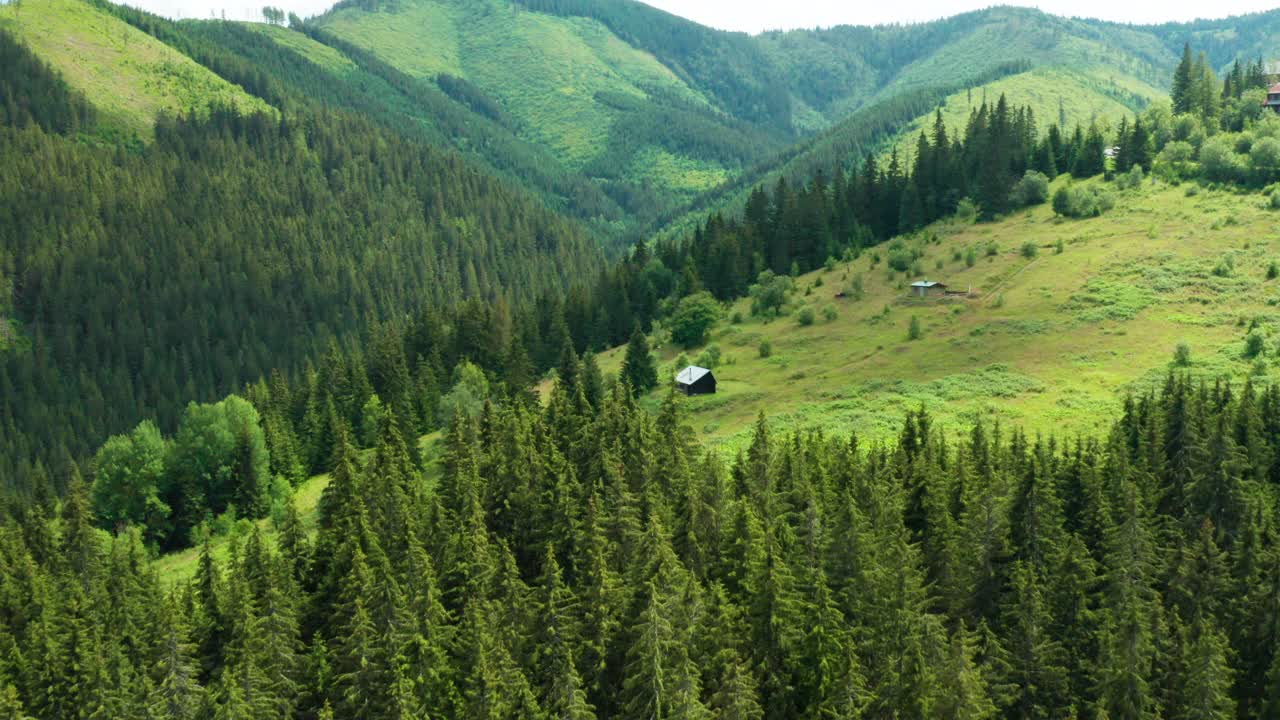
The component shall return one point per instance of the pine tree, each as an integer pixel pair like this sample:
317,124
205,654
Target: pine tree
176,693
562,693
1206,692
638,368
963,694
1181,90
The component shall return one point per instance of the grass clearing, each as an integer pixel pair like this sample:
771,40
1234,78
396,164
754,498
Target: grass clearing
1050,344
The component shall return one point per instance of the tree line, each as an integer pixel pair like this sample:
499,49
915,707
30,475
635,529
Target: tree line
585,558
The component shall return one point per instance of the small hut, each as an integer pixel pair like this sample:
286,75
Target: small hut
695,380
928,288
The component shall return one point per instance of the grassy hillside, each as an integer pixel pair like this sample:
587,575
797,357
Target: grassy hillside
547,71
1050,343
128,75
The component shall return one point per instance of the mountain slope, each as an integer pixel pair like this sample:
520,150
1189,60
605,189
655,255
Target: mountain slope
1046,343
128,75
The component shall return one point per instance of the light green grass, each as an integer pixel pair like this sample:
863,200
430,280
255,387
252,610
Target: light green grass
128,75
1050,344
319,54
546,71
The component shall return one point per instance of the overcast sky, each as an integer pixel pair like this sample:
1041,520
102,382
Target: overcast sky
756,15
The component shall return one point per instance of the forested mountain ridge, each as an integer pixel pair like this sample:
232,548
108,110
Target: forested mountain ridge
146,277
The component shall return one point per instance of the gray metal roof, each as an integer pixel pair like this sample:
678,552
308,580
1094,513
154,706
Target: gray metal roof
691,375
927,283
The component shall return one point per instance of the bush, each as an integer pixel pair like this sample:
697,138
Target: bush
1220,161
829,313
1175,161
1273,270
1182,355
1254,345
915,332
970,257
1274,201
1030,250
1081,201
805,316
1131,179
1032,189
710,357
855,289
1058,247
766,348
967,211
1264,159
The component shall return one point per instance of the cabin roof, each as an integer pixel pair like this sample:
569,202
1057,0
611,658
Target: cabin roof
927,284
1274,89
691,375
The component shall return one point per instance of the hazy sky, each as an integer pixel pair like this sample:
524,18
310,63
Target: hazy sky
757,15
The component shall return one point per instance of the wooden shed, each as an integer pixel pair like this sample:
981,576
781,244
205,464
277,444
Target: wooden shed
928,288
695,380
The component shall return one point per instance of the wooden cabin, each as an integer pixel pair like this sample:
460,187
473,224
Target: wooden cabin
695,380
928,288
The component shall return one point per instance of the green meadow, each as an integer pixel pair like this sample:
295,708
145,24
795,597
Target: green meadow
1066,318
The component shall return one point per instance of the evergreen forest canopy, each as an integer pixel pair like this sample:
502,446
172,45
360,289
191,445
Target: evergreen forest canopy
587,559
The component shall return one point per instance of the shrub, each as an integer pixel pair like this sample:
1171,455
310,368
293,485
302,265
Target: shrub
967,210
1058,247
710,357
766,348
1175,160
970,257
1030,250
1264,159
915,332
1131,179
1032,189
1273,270
805,316
1182,355
992,249
1259,367
855,289
1254,345
1081,201
1274,201
829,313
736,318
1220,161
829,264
1226,267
